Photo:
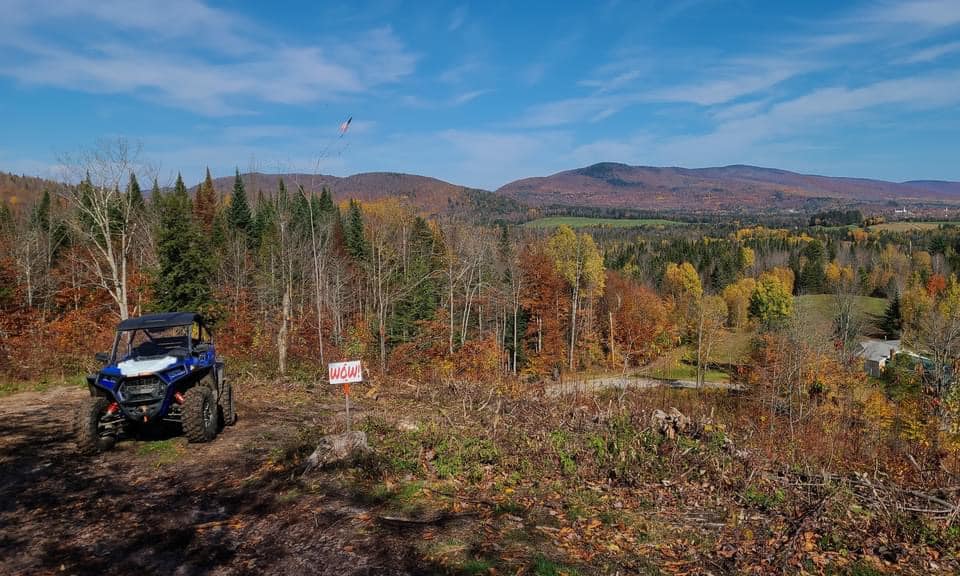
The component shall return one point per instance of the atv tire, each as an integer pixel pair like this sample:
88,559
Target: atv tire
89,438
228,406
199,415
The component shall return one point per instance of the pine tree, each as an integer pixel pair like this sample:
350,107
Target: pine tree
891,323
155,195
262,222
356,242
134,193
239,214
421,301
327,207
6,216
205,204
182,281
40,218
812,276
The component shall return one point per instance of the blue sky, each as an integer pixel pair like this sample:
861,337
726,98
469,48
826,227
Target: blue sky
484,93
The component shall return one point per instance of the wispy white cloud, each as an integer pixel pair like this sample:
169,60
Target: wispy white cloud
462,72
746,136
458,99
244,65
457,19
574,110
931,53
613,83
928,13
465,97
740,79
479,158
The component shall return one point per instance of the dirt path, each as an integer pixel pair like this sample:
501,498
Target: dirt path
162,506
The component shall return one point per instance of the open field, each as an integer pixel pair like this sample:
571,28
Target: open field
817,311
584,222
910,226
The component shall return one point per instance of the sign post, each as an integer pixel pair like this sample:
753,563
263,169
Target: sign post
345,373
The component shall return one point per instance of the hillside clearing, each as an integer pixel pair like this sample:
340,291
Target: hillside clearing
579,484
911,226
585,222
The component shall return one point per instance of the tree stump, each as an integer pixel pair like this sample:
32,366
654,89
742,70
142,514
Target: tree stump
670,424
338,449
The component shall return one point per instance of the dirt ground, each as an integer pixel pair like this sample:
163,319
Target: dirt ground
162,506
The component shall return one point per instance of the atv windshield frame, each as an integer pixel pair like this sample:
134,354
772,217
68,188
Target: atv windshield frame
144,343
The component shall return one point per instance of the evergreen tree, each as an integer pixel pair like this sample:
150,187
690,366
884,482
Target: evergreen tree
262,222
891,323
155,195
6,216
239,214
40,219
218,235
420,302
356,242
182,281
205,204
327,207
812,275
134,193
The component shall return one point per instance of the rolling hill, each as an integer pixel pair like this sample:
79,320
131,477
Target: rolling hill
429,196
737,189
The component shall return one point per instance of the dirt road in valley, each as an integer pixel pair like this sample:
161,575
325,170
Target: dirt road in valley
162,506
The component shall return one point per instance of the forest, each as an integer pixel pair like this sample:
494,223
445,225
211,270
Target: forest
471,327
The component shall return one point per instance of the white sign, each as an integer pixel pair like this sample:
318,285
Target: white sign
345,372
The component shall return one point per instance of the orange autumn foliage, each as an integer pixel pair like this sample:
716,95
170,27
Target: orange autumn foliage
639,319
546,302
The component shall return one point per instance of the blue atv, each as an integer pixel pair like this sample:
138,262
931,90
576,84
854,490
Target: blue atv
163,368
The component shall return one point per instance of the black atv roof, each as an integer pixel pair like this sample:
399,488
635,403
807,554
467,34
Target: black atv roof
164,320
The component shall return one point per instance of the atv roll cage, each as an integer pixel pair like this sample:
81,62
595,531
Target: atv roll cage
176,335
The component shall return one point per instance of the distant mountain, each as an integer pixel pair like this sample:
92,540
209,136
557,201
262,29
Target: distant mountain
938,185
429,196
738,189
18,190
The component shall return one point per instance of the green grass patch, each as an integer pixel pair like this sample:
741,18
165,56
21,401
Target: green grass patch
733,347
585,222
8,387
762,498
162,451
477,566
819,310
911,226
684,371
543,566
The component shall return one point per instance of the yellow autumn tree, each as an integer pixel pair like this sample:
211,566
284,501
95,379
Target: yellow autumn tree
840,278
682,283
737,298
578,261
784,275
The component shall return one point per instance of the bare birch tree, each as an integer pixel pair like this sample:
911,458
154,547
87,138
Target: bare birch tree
107,219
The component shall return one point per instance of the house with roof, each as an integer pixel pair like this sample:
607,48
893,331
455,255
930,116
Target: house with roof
876,354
